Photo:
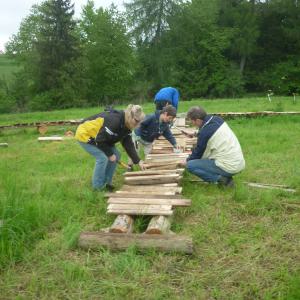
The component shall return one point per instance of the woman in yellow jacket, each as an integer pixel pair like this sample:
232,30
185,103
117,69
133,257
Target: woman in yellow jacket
98,135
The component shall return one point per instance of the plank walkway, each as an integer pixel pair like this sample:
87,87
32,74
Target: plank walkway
154,192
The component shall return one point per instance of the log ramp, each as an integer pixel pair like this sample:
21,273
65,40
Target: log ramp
154,192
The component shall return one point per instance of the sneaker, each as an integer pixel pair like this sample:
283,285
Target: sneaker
226,182
110,187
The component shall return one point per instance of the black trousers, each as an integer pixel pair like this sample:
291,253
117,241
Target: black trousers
160,104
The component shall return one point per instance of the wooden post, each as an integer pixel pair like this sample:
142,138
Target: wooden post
159,225
122,224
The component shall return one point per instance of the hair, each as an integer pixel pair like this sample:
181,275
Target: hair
133,113
170,110
196,112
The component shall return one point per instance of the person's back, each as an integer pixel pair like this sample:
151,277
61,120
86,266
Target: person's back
166,96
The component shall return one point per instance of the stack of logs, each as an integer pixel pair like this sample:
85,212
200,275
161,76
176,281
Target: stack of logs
154,192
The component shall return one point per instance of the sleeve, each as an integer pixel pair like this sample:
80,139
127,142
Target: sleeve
128,145
175,99
169,136
202,141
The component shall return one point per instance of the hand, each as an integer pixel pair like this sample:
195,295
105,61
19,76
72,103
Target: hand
177,149
112,158
142,165
182,163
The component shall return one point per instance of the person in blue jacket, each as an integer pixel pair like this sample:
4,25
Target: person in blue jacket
166,96
151,128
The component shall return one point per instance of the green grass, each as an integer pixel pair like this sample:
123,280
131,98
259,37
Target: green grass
7,67
246,240
220,105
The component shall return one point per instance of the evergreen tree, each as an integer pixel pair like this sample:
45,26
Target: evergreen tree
149,20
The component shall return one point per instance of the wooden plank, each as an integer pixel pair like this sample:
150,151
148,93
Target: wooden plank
3,144
150,201
270,187
140,207
150,194
152,189
128,194
50,138
144,212
153,172
159,225
153,179
119,241
122,224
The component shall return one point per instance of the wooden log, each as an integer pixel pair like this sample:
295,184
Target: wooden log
153,179
50,139
3,144
149,201
119,241
159,225
122,224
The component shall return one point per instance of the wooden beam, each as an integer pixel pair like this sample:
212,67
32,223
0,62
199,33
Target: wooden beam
3,144
270,187
119,241
150,201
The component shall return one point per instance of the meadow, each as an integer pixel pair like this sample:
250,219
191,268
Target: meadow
246,240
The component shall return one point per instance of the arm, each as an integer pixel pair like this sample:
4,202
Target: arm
169,136
128,145
202,141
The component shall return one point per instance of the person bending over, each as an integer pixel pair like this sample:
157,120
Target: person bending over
166,96
152,127
98,135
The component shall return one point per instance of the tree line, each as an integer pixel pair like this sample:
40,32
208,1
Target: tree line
216,48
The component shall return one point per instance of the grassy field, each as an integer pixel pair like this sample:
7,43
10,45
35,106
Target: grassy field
7,67
220,105
247,241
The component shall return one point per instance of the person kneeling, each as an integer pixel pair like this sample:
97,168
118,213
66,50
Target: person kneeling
217,156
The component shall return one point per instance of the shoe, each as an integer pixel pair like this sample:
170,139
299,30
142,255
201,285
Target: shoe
226,182
110,187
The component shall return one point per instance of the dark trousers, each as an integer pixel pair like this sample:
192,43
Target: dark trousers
160,104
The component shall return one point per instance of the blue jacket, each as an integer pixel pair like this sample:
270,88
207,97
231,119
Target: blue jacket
150,129
168,94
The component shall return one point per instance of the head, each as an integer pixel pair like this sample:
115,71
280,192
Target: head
168,114
134,115
196,114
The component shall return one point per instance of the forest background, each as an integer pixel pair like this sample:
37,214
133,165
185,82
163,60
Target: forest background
204,48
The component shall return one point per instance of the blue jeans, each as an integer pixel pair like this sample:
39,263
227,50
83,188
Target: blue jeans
104,168
206,169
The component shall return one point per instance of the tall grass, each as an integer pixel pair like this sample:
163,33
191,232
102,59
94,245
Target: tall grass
246,240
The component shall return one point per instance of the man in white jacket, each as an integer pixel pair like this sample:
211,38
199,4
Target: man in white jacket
218,154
